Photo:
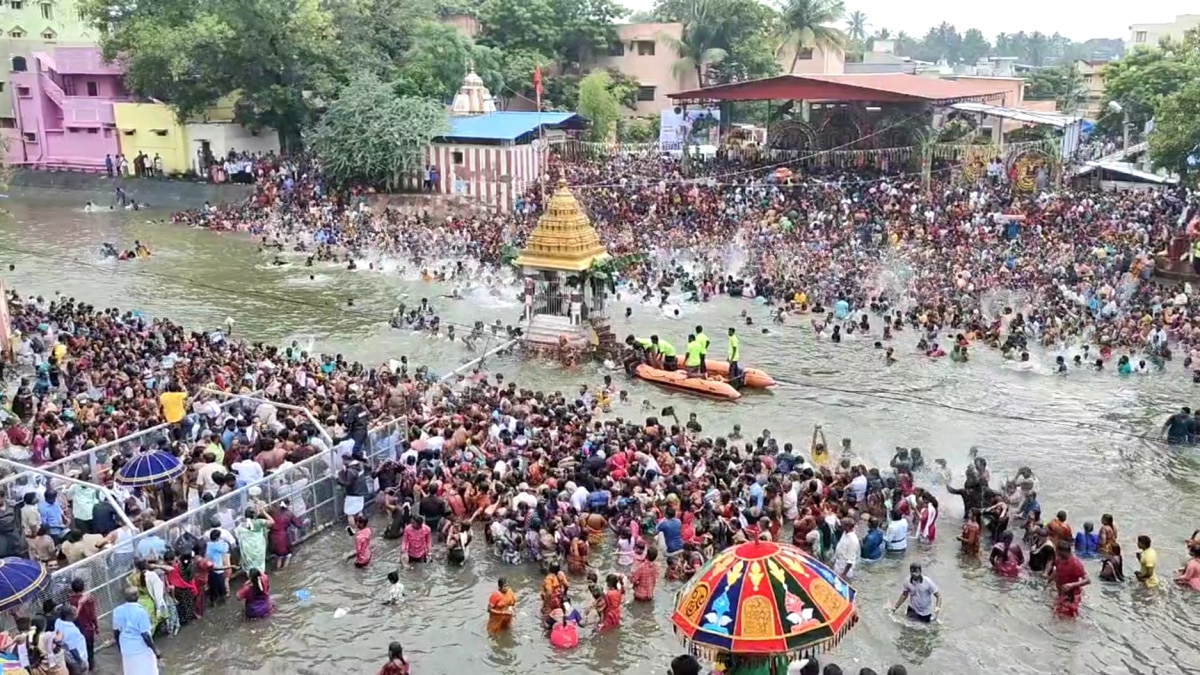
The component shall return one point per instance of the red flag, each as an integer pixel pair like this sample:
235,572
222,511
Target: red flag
537,80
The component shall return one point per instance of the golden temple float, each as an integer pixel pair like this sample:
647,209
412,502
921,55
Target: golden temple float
560,304
564,239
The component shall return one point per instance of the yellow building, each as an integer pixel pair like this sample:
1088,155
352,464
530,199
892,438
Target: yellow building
153,129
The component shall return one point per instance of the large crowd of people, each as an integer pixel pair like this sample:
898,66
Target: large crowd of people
543,477
1067,269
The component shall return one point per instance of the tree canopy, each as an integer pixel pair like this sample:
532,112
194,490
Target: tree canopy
270,52
369,134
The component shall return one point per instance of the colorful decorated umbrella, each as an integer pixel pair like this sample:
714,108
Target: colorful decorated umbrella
20,580
150,468
763,599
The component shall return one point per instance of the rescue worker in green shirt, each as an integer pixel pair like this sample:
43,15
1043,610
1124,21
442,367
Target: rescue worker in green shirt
735,353
639,354
694,359
665,353
704,342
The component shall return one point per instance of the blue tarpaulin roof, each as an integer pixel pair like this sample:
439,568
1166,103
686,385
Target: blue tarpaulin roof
503,126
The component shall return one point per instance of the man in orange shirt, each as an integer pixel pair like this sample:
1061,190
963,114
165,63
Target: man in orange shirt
1059,530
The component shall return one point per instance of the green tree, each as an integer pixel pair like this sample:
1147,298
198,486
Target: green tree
1062,84
1141,80
974,46
375,35
808,24
941,42
571,32
856,26
276,54
698,46
1037,49
743,29
599,104
1176,128
433,67
369,134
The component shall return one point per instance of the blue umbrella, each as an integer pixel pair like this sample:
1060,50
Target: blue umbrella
150,468
20,580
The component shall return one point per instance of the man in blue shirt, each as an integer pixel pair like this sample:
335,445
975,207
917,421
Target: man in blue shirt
151,546
756,493
132,633
216,551
672,532
52,515
872,543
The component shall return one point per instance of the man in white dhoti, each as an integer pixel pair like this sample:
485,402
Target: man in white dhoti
132,631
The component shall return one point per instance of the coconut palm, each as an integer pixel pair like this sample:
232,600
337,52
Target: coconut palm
856,26
696,46
883,34
808,24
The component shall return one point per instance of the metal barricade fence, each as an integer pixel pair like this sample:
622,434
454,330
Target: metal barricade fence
383,441
91,460
309,487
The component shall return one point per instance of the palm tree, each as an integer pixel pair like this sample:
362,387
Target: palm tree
856,26
883,34
696,44
807,24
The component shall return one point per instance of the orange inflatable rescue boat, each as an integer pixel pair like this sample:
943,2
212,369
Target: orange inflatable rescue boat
752,377
678,379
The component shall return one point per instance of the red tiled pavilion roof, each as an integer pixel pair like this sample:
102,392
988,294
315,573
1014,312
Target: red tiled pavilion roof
872,88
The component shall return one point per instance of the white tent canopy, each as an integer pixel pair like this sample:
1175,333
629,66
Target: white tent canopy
1130,171
1055,119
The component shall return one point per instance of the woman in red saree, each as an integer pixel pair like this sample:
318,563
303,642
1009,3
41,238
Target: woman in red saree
614,595
396,664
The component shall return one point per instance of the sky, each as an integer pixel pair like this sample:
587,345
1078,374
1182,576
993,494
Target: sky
1074,20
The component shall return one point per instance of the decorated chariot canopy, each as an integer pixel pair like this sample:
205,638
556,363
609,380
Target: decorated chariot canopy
763,599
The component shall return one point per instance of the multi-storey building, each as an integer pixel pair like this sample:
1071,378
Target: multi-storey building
28,26
1149,34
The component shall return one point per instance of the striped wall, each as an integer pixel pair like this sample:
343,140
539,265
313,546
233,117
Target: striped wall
491,174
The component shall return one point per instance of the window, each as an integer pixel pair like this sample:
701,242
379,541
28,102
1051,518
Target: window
19,64
23,92
17,4
805,54
456,157
92,89
30,137
68,86
49,35
159,132
616,49
8,123
47,11
1139,37
93,131
645,48
16,33
1,87
83,16
646,93
108,133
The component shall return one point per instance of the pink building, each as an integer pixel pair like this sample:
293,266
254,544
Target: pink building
64,110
